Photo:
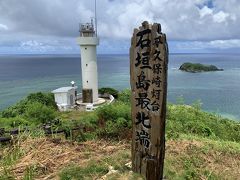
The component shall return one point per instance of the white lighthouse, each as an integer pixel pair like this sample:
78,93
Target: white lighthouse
88,41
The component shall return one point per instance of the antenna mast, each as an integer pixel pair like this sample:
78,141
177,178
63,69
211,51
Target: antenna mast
96,16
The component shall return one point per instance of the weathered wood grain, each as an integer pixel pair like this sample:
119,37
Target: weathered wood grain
148,72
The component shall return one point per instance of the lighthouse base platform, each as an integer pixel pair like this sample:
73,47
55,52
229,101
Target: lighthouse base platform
97,103
102,100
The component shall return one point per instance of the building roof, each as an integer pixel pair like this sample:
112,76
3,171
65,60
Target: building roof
63,89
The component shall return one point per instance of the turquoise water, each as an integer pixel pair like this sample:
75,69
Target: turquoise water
218,91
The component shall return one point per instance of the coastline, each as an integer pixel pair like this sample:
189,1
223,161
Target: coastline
218,93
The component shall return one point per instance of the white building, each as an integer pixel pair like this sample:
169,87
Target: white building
65,97
88,41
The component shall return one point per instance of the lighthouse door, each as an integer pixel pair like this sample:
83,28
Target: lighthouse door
71,99
87,95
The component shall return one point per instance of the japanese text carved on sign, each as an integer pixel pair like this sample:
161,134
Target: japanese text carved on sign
149,58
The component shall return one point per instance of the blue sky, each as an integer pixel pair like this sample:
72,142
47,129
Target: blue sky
51,26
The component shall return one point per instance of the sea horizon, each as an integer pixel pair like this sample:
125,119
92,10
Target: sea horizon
59,69
173,53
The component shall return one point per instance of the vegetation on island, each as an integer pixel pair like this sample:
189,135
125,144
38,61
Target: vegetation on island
197,67
199,145
107,90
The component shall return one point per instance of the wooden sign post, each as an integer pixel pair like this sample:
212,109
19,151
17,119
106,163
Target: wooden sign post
148,66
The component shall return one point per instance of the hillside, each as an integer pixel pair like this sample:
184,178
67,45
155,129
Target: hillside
199,145
186,158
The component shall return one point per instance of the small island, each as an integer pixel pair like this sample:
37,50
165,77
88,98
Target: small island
197,67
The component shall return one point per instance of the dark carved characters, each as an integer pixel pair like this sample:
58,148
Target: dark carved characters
157,68
155,106
142,118
143,42
142,82
148,81
143,138
143,101
143,60
156,93
157,55
157,81
157,41
148,62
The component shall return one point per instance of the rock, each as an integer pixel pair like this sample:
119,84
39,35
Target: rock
110,172
197,67
129,165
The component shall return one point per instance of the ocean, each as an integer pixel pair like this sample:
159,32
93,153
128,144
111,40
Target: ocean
219,91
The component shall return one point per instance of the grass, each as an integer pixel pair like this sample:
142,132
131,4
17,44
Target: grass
200,145
183,119
9,157
219,145
98,168
29,173
199,158
91,171
46,158
188,157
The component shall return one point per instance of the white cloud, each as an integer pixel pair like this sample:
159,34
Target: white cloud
216,44
205,11
225,44
35,46
220,17
58,19
3,27
181,20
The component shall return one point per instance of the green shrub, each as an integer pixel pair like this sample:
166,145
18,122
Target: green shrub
121,128
115,120
43,98
15,122
107,90
39,113
19,108
123,123
114,111
15,110
183,119
90,120
125,96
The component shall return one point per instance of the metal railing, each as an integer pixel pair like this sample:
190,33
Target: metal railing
87,29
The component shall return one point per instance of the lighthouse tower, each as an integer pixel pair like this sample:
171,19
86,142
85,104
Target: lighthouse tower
88,41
